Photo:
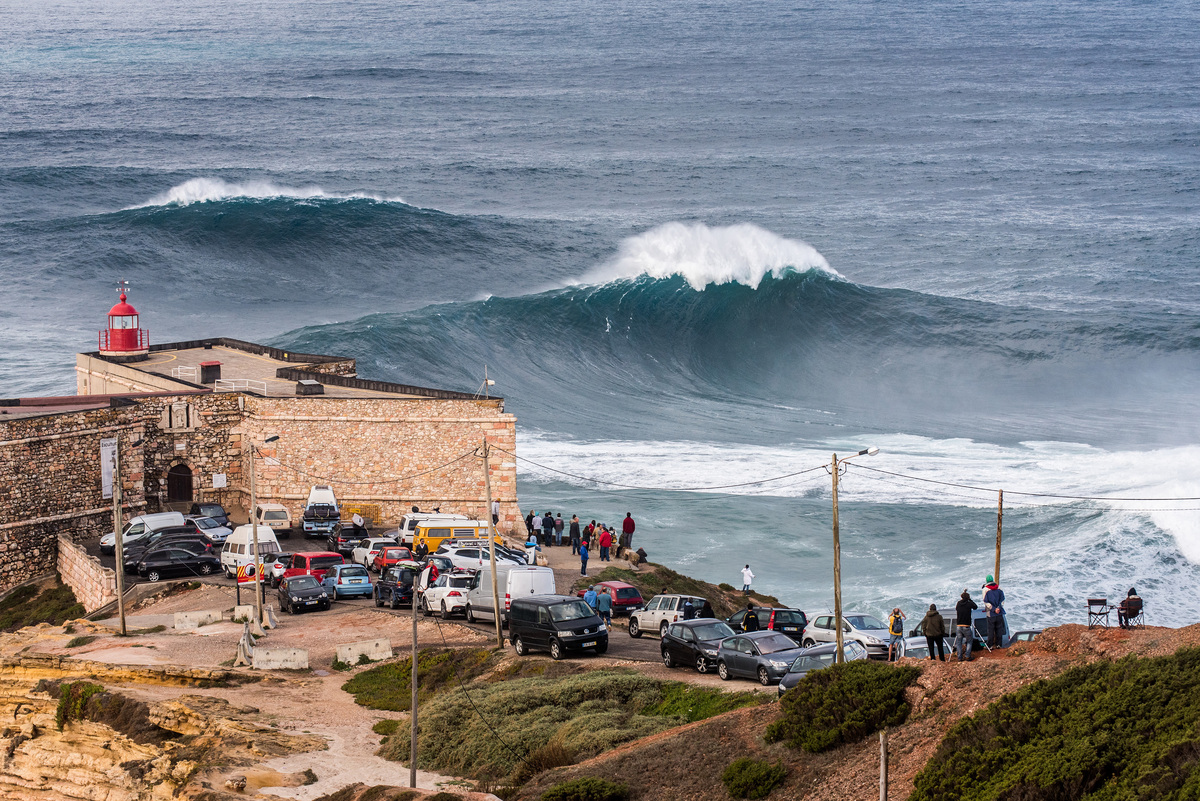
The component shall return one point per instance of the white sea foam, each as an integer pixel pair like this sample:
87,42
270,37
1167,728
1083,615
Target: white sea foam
200,190
1030,467
703,255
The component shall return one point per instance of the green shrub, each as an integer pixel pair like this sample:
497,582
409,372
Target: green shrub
363,659
843,704
692,702
339,665
752,778
726,587
388,686
386,727
24,606
550,755
588,788
75,642
1109,730
72,701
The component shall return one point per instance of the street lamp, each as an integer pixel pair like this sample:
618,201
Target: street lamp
254,532
119,545
840,656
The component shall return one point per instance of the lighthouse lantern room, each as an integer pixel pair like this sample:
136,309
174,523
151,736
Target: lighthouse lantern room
123,338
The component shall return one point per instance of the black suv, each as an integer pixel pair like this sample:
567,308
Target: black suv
791,622
214,510
557,623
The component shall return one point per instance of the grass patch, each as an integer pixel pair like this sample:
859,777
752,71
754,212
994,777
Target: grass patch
584,714
75,642
692,702
1108,730
843,704
309,777
26,606
588,788
389,687
151,630
342,666
386,727
659,579
752,778
549,756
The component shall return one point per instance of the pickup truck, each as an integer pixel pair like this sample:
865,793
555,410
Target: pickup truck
395,585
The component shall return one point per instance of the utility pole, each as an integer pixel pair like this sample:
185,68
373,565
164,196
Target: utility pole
999,529
487,483
883,765
412,746
840,655
254,531
120,545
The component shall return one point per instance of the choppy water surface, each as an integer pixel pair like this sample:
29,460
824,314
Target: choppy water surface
689,242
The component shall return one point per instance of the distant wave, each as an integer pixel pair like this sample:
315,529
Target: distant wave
703,255
202,190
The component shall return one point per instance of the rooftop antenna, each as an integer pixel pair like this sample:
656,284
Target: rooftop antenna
484,387
122,288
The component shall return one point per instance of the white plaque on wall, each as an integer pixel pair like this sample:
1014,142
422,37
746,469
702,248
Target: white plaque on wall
219,480
108,451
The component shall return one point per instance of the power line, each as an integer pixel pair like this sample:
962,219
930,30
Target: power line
858,466
662,489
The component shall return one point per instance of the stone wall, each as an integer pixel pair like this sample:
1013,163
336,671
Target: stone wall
93,585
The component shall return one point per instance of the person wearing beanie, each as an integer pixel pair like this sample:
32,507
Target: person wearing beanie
934,629
1128,610
964,633
993,603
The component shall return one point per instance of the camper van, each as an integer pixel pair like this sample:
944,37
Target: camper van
239,547
139,527
409,522
435,532
321,513
512,582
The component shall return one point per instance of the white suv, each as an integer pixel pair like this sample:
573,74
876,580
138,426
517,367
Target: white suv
365,553
447,595
473,557
661,612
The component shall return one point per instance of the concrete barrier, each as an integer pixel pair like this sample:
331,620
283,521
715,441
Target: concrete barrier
375,650
194,620
243,612
280,658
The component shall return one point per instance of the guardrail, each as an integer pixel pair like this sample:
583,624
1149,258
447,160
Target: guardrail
235,384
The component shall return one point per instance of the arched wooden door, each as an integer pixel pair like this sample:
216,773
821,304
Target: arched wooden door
179,483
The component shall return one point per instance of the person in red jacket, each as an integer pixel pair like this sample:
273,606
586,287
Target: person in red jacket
605,543
627,530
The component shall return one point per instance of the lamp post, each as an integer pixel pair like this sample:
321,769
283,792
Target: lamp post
840,656
254,531
119,544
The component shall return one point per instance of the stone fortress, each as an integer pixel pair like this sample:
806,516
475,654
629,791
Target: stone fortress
182,416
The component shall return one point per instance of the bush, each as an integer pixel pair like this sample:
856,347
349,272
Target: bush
550,755
589,788
75,642
388,686
752,778
24,606
386,727
843,704
1110,730
72,701
726,587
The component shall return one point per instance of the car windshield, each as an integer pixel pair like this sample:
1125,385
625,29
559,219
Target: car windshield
353,571
806,663
325,562
774,644
303,583
713,631
572,610
628,592
864,622
278,514
206,522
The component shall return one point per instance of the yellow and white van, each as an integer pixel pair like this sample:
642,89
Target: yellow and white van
434,532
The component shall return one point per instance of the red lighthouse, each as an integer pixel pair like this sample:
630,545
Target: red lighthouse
123,337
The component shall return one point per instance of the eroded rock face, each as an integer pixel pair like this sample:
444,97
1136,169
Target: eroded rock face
201,740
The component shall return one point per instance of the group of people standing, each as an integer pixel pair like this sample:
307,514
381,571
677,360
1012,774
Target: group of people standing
548,530
601,603
933,625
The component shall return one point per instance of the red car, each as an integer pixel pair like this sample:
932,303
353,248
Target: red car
312,563
626,597
388,556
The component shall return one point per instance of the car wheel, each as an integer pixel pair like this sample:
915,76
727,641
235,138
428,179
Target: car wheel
556,650
470,614
701,665
425,610
395,600
662,629
764,678
634,629
519,645
667,660
809,643
206,569
445,612
378,599
153,575
723,672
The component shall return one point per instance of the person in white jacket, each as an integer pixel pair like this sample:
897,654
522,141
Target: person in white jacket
747,577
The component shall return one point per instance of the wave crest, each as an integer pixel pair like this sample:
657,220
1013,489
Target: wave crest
202,190
743,253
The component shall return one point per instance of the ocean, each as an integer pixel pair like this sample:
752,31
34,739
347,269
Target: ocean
696,245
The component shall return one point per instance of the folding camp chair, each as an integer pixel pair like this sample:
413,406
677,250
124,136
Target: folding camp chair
1097,612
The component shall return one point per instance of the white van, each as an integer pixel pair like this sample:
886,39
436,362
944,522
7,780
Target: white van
139,527
239,547
513,581
277,516
408,523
